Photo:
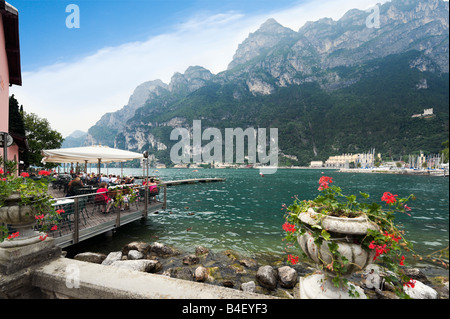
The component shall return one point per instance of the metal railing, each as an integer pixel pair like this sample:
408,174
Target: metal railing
84,215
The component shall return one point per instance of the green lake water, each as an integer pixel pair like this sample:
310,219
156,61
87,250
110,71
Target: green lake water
244,212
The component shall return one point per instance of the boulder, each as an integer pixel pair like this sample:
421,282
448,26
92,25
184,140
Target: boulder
200,274
95,258
135,255
417,274
162,250
231,254
201,251
142,247
249,263
112,257
191,260
266,277
287,277
248,286
144,265
421,291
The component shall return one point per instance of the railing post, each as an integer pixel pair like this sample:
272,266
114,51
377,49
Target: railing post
118,217
76,221
146,201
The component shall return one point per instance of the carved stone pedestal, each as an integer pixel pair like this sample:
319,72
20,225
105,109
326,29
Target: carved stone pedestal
317,287
15,258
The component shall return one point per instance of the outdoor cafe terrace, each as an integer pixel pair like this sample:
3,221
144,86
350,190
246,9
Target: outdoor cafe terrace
84,217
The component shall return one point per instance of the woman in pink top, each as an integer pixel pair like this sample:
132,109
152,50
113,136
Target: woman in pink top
103,198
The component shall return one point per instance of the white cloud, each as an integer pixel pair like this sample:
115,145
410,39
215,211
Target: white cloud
75,95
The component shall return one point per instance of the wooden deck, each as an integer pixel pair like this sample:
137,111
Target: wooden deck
78,223
81,220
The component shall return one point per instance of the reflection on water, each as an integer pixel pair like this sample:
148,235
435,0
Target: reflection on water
244,212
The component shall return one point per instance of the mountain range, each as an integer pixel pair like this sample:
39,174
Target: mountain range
331,87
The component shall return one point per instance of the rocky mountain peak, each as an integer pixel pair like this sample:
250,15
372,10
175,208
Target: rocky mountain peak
273,27
267,36
193,78
143,92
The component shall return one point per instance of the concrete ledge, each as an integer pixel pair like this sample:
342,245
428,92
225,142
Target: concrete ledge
95,281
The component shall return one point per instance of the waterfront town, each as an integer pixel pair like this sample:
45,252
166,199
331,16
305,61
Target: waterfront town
33,264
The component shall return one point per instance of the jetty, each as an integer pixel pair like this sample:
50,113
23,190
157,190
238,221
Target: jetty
82,218
192,181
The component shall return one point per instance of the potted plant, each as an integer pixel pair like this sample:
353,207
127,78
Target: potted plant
342,235
25,205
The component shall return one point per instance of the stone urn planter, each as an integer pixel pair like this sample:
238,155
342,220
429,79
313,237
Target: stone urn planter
346,232
21,218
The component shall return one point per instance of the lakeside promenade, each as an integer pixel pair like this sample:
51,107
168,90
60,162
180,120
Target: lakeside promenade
400,171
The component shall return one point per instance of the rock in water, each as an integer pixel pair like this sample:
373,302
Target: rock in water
142,247
144,265
200,274
287,277
249,286
191,260
135,255
95,258
112,257
266,277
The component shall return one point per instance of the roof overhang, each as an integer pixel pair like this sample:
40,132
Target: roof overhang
10,17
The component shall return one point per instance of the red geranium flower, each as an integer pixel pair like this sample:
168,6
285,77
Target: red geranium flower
411,283
388,198
324,181
13,235
293,259
289,227
24,174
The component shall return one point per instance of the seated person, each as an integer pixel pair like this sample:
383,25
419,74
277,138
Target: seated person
103,198
153,187
73,185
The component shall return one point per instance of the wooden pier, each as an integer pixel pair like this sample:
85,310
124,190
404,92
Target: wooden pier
192,181
82,218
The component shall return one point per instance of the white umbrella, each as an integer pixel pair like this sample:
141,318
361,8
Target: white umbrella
88,154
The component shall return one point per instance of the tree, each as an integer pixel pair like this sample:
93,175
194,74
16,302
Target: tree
40,136
16,124
445,151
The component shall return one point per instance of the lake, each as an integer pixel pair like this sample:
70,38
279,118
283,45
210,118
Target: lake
244,213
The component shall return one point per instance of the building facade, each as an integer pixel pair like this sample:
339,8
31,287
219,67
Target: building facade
10,74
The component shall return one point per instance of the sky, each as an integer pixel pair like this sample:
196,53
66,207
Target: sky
73,75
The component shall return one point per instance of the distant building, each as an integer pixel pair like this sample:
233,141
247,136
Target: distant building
426,113
363,160
316,164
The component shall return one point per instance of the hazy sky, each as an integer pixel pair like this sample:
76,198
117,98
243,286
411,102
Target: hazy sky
72,76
